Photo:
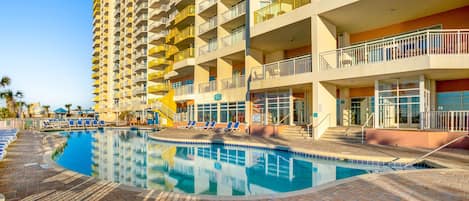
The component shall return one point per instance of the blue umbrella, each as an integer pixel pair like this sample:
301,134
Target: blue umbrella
60,111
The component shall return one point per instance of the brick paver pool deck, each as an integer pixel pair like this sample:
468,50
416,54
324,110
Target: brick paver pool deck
27,173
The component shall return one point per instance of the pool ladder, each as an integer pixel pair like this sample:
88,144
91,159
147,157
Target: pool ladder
417,160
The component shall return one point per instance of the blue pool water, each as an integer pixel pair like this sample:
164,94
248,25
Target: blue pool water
130,157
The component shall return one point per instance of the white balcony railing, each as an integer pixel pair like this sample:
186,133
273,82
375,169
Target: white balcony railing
208,86
429,42
140,67
157,11
139,90
158,23
452,121
181,117
282,68
208,48
140,79
187,89
234,12
209,25
158,36
206,4
233,38
233,82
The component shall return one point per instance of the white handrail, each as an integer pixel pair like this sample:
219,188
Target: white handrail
365,125
318,124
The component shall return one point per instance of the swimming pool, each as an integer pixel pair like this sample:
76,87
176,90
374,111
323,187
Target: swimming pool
131,158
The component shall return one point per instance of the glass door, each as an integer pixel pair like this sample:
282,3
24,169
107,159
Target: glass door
299,112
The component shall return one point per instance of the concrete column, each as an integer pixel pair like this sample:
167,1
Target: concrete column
290,92
377,112
345,107
323,38
224,69
254,59
324,106
422,99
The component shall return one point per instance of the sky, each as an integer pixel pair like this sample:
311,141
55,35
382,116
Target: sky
45,48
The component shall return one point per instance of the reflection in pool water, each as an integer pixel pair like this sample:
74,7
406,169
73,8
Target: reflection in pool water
130,157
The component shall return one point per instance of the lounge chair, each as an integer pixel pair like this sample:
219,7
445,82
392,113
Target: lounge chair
211,125
101,123
191,124
205,126
46,124
87,123
79,123
71,123
235,127
229,126
95,123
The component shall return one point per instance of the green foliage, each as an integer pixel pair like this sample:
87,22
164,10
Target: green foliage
4,113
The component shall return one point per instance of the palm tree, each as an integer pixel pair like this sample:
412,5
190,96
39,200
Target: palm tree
46,109
79,110
5,81
20,105
30,110
9,97
68,106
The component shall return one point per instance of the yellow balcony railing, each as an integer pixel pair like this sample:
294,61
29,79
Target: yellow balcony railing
158,62
96,91
188,11
185,54
96,99
186,33
171,34
171,51
95,60
156,75
157,49
96,83
158,88
278,8
95,75
95,68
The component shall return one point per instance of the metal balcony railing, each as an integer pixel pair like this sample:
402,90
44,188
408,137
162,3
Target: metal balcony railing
208,48
209,25
206,4
278,8
429,42
208,86
282,68
233,38
452,121
234,12
233,82
187,89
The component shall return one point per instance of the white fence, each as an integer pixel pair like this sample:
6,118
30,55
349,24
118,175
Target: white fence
282,68
453,121
429,42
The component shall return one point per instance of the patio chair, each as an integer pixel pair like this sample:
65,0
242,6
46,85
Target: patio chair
79,123
191,124
95,123
211,125
101,123
87,123
229,126
235,127
71,123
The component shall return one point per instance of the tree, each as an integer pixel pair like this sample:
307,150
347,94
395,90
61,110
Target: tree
20,105
68,106
5,81
79,110
9,97
30,110
46,109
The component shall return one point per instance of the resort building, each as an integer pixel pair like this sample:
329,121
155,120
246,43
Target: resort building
302,67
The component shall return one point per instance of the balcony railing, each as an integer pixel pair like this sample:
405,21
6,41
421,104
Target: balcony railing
185,54
157,11
233,82
233,38
158,88
282,68
139,67
186,12
157,49
187,89
452,121
429,42
157,62
206,4
139,90
158,36
208,86
140,79
158,23
186,33
234,12
156,75
209,25
278,8
208,48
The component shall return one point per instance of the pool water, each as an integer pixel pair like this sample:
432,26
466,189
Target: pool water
131,158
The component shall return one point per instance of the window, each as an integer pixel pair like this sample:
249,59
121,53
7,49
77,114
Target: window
233,111
451,101
207,112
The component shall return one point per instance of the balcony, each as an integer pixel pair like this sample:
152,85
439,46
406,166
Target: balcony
208,87
95,60
158,25
288,67
139,91
205,49
141,7
185,54
233,82
278,8
172,50
156,76
206,4
95,68
233,38
158,38
96,91
157,11
140,67
187,33
141,78
95,75
185,13
234,12
184,90
394,49
157,49
155,89
205,27
96,99
158,62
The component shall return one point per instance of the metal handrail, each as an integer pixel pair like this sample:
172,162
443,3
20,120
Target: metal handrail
365,125
320,122
282,120
435,150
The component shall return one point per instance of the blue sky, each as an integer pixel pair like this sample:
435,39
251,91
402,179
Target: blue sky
45,48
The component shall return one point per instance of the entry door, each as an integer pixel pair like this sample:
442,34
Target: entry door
299,111
409,112
358,107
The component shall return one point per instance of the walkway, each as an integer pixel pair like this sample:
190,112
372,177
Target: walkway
26,174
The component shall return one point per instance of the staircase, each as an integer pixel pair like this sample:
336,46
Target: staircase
295,132
166,108
343,134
